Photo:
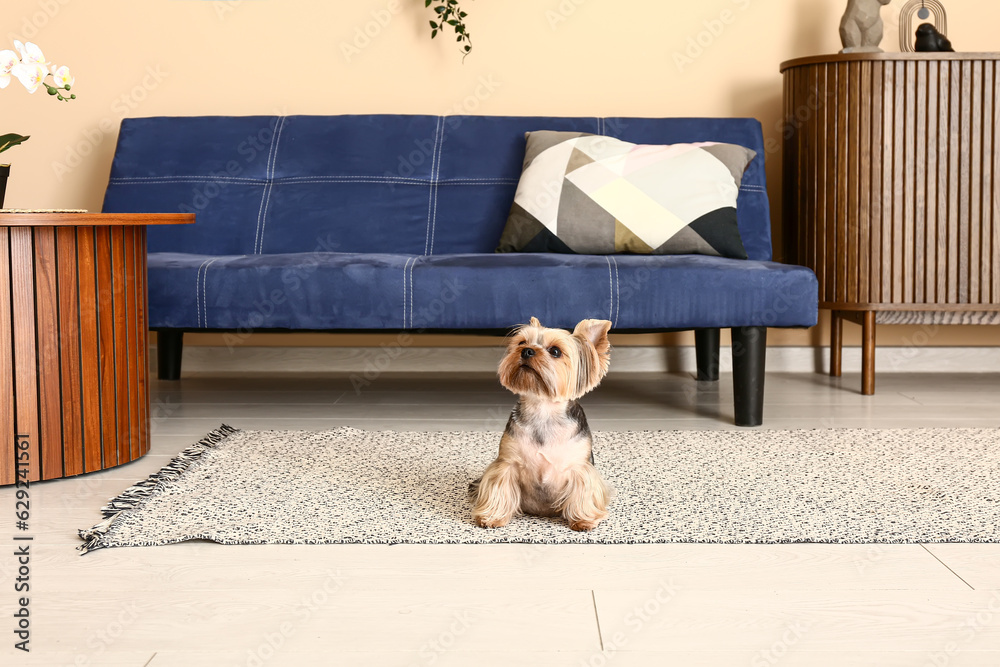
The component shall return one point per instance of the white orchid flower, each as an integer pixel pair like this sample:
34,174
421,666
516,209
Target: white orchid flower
7,61
30,75
32,69
62,77
30,53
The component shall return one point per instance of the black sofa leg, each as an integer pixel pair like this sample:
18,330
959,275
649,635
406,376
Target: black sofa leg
169,348
749,351
706,348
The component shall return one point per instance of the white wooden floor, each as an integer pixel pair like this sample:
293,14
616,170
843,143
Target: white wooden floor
812,605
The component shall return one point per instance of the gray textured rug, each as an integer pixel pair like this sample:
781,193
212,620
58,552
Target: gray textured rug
385,487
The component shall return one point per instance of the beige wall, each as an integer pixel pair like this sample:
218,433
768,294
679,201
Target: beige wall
572,57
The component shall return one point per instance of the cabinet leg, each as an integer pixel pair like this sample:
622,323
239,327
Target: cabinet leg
836,342
868,353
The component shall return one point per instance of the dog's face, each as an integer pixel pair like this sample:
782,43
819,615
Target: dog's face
554,363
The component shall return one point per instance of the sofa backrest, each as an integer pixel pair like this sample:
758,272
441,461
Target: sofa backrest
419,185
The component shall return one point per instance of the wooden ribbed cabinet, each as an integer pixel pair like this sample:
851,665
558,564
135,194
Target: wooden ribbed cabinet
74,393
892,188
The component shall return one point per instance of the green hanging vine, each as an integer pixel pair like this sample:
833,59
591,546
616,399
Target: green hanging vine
450,13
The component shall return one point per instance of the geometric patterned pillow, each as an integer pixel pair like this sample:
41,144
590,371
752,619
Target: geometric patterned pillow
595,195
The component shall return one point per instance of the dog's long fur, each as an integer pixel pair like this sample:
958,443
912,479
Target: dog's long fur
545,465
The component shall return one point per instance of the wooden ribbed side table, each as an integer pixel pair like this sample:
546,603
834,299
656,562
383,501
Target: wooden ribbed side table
892,188
74,392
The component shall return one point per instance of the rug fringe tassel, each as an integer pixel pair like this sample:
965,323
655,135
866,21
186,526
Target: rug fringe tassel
132,497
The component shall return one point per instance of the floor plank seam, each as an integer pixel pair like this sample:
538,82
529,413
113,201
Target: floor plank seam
597,619
934,556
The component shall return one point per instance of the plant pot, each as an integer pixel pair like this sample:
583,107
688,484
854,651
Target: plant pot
4,173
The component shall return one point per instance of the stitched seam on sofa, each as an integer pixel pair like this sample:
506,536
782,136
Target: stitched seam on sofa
437,186
197,291
611,289
430,187
351,179
405,291
264,197
432,190
204,290
479,181
334,179
412,288
260,216
618,293
138,180
273,161
135,180
201,290
414,264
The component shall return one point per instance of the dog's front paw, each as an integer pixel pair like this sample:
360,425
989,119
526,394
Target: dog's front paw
492,521
583,525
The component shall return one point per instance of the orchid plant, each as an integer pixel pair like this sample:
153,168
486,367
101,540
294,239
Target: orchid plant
31,68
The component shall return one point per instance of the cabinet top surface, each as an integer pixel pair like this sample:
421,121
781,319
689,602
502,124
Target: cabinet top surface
833,58
93,219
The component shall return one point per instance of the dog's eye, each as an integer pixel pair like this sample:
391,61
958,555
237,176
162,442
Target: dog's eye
555,352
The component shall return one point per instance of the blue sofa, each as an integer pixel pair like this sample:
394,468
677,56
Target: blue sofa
389,223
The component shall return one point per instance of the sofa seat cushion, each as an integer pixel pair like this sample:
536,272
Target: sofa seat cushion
341,291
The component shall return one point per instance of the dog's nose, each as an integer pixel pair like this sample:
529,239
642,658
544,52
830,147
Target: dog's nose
527,353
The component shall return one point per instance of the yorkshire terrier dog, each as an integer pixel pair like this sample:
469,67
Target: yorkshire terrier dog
546,464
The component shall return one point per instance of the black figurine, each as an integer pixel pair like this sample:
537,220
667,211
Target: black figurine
929,39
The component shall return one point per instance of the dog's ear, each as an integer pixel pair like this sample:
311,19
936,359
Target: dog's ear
595,354
534,322
594,332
